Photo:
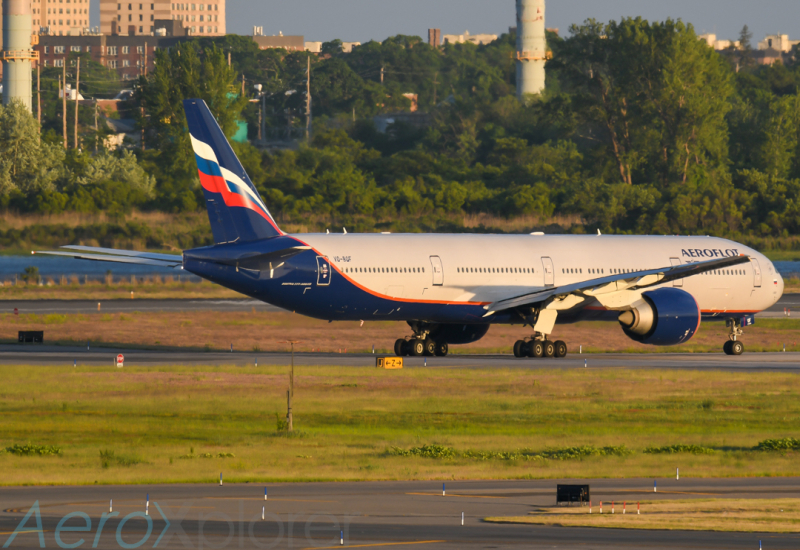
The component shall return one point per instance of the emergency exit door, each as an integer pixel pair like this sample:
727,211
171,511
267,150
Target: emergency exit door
756,273
549,272
437,270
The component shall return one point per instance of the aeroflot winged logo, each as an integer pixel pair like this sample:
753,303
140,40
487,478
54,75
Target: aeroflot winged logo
217,179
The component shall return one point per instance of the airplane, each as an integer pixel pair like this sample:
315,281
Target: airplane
450,288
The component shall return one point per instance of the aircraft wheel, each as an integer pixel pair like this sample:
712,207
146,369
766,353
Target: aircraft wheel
561,348
417,347
399,347
441,349
430,347
737,348
549,349
535,349
726,347
518,346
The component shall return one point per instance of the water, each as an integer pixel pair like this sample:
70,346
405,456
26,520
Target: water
56,266
788,269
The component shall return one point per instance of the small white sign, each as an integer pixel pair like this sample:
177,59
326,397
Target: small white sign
120,360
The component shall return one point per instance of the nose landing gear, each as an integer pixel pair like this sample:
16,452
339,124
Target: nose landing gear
539,346
733,346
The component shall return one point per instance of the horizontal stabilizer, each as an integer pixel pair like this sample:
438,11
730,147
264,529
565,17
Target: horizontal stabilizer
117,256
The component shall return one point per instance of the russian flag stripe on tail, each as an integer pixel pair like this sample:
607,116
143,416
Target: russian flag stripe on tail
235,209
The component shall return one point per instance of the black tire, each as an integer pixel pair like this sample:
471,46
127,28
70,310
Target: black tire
536,349
518,345
430,347
726,347
441,349
399,346
417,347
406,348
549,349
561,348
737,348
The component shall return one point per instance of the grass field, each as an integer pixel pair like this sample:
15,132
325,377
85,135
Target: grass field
737,515
268,331
180,424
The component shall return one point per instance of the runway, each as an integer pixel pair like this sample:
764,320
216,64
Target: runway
787,301
30,354
383,514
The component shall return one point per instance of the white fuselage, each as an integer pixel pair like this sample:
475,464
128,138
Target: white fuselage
468,268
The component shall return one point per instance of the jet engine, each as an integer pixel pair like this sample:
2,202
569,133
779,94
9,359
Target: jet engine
663,317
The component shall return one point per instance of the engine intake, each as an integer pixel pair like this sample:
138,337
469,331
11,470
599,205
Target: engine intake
663,317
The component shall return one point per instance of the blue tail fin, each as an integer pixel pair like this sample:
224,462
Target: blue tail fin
235,209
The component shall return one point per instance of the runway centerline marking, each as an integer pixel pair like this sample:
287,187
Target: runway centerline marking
377,544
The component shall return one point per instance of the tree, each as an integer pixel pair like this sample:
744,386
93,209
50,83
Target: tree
745,47
27,163
653,94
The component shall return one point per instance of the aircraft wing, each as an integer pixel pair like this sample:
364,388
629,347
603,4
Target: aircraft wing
113,255
612,283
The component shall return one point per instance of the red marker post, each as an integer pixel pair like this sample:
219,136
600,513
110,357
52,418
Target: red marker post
120,360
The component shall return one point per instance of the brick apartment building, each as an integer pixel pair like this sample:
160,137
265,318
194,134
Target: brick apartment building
130,55
200,19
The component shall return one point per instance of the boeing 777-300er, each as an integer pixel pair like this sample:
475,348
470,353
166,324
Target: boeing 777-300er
451,288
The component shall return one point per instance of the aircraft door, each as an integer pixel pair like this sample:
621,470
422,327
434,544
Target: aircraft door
756,273
324,271
438,271
676,261
549,272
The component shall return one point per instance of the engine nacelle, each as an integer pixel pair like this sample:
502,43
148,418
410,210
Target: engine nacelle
663,317
459,334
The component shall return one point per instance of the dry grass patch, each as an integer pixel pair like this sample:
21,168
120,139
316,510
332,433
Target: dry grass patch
739,515
261,331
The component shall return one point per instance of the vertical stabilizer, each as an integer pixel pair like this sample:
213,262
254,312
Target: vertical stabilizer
235,209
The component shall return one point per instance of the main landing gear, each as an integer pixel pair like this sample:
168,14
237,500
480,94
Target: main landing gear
418,347
733,346
420,344
539,346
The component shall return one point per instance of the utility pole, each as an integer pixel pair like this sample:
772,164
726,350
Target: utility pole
64,99
39,94
435,77
77,92
308,99
229,59
264,116
96,135
382,71
145,59
242,84
289,423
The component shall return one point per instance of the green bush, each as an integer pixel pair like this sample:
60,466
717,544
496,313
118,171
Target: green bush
31,450
785,444
673,449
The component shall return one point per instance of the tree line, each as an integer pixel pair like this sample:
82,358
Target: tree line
642,129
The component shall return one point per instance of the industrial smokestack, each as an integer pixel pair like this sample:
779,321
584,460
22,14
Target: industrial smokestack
17,51
531,47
